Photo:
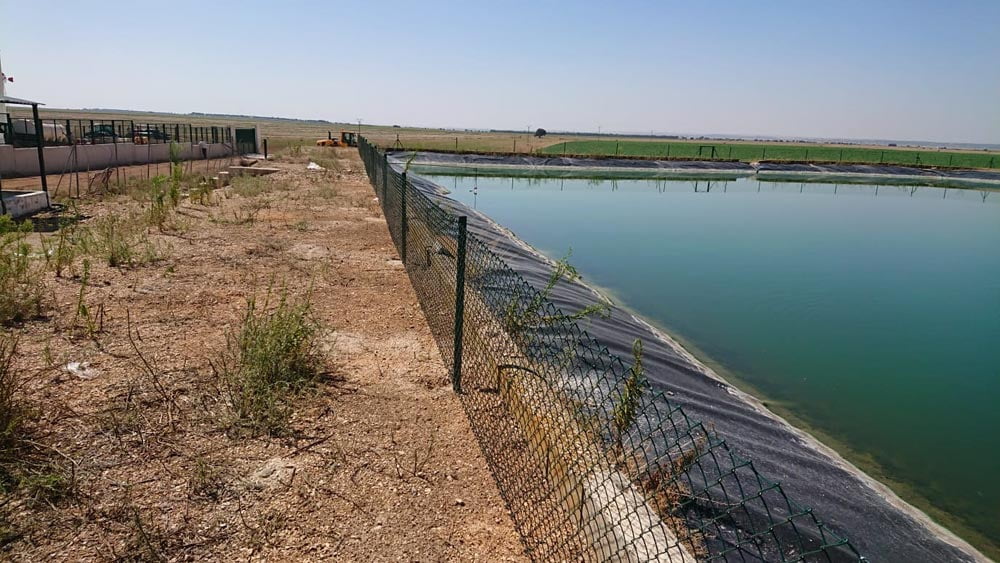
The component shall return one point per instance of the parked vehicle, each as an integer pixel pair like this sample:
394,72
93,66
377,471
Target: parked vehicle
52,133
154,134
101,133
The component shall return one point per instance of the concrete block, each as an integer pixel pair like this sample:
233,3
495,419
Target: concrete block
21,204
251,170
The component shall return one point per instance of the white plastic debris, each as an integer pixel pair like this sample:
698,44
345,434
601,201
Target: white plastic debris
314,166
81,370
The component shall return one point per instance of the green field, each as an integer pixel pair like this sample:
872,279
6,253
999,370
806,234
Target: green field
781,152
285,132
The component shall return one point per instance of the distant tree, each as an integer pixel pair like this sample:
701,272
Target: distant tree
540,132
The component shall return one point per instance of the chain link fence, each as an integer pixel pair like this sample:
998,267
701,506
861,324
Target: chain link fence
593,463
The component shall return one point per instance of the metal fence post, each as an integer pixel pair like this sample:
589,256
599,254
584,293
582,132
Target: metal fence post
3,205
456,373
402,221
385,175
40,140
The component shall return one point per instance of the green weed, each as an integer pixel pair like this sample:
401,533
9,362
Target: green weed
533,314
121,241
208,481
160,203
625,410
13,412
61,253
202,194
48,483
270,357
249,186
93,321
21,466
21,284
328,192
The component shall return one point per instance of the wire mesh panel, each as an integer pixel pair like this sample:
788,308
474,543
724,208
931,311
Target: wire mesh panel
57,132
593,463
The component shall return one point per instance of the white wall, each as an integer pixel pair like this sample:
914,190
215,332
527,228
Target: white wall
24,161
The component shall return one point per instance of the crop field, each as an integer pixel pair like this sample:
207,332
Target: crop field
796,152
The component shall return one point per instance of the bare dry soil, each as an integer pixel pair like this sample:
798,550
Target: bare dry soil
378,461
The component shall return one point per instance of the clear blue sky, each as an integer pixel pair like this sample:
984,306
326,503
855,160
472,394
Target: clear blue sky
912,70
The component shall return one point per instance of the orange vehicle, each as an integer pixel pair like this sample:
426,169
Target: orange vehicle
347,139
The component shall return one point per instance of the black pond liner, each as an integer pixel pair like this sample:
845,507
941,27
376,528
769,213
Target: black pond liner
581,167
879,525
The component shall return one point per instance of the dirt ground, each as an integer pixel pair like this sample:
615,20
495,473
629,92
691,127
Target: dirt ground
379,462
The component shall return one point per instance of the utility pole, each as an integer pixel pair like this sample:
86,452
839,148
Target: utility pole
359,128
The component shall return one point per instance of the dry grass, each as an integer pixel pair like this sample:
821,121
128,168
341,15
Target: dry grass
13,412
21,286
26,465
267,360
156,456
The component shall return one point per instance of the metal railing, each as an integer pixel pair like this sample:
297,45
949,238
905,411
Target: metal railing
593,463
20,131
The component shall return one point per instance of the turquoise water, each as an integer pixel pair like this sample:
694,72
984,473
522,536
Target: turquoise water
870,313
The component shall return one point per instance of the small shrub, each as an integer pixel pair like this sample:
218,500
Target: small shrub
21,284
13,412
159,206
202,194
22,463
249,186
174,193
269,358
522,316
60,254
246,213
48,483
208,481
121,241
627,407
333,164
328,192
176,160
93,321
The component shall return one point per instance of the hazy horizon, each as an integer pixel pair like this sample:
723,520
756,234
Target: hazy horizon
909,71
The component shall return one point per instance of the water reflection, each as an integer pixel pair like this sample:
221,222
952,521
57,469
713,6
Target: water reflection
474,183
872,312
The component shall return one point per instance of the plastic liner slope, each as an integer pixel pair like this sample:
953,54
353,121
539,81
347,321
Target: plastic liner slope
565,166
880,526
594,463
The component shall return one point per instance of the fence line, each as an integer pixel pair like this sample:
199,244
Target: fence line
105,131
593,463
665,149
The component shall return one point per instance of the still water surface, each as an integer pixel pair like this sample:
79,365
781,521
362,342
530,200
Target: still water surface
869,313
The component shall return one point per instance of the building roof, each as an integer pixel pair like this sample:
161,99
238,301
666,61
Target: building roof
18,101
